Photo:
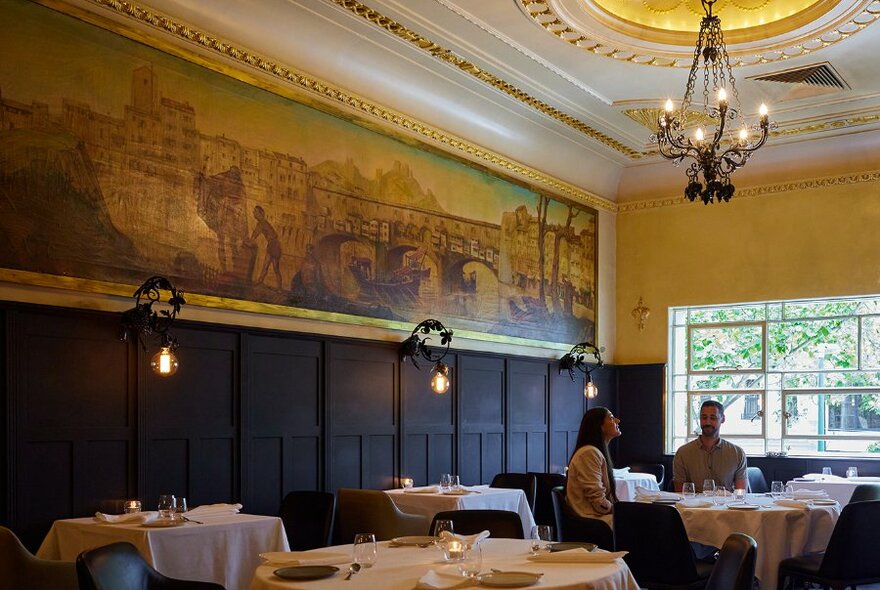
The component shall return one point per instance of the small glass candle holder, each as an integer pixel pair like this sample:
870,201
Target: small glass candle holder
453,550
406,482
131,506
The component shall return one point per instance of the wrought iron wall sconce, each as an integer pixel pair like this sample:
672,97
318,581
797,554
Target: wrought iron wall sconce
575,359
144,321
417,346
641,312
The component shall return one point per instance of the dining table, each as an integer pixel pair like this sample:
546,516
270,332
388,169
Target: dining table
407,567
780,531
222,549
429,500
837,488
627,482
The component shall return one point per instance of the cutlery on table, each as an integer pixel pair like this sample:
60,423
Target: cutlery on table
497,571
192,521
352,569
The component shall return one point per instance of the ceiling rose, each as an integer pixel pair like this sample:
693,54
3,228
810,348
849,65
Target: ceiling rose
661,32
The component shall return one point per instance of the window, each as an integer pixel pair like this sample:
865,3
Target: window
795,377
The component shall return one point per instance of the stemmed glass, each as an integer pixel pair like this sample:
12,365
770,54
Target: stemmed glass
364,550
442,525
167,506
709,489
471,561
541,535
688,490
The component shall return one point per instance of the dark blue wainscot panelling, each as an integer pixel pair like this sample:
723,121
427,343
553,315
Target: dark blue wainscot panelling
482,410
528,412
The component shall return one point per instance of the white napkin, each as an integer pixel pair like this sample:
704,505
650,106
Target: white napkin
695,503
472,540
134,517
578,555
866,478
207,510
792,504
434,580
305,557
621,472
422,490
820,477
646,495
461,492
808,494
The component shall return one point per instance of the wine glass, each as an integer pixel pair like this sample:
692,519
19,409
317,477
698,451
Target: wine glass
541,535
442,525
688,490
364,550
709,489
167,506
471,561
777,489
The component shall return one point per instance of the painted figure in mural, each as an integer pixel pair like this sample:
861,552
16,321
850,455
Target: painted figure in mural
273,246
307,284
221,204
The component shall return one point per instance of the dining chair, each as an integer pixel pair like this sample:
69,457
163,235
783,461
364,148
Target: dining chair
851,556
119,566
570,526
308,519
864,492
517,481
757,483
21,570
660,555
503,524
657,469
544,484
735,568
372,511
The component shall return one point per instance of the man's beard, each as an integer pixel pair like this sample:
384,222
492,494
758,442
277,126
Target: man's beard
709,430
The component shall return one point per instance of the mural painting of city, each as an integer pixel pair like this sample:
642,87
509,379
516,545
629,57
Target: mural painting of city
118,162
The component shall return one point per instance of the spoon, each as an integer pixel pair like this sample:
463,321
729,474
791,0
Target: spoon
352,569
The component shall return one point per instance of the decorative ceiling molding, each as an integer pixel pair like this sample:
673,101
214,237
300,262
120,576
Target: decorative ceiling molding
592,29
448,56
328,93
758,191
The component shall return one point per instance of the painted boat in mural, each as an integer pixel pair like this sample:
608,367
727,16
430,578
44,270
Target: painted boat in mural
402,286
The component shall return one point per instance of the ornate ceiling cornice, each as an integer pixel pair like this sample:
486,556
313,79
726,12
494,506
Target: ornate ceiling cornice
338,96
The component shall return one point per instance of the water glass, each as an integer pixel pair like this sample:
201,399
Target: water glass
454,482
709,488
442,525
852,472
167,506
826,471
789,490
542,534
364,551
688,490
471,561
739,494
180,508
445,478
776,489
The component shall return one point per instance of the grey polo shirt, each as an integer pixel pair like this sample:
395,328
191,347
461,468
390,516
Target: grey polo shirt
725,463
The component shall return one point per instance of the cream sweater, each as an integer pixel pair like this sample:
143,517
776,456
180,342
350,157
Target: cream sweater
587,489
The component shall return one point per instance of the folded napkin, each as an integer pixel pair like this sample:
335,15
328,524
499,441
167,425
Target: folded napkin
579,555
207,510
793,504
472,540
820,477
621,472
434,580
422,490
134,517
646,495
695,503
305,557
808,494
866,478
461,492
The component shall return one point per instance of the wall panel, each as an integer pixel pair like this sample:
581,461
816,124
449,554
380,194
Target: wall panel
482,411
528,416
427,423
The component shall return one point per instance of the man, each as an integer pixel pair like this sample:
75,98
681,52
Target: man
710,457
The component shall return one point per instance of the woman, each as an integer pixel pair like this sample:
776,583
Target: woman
590,488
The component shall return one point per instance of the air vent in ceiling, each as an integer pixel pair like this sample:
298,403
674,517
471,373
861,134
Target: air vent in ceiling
821,75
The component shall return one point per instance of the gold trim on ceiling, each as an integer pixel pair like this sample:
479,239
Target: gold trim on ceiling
302,81
450,57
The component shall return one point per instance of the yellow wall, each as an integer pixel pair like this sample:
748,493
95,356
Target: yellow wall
806,242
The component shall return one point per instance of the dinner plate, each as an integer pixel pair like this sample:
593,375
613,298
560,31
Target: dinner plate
415,540
566,545
743,507
306,572
669,502
822,502
508,579
163,524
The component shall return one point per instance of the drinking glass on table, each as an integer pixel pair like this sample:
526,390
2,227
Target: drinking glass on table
709,489
167,506
454,482
852,472
180,508
364,550
442,525
826,471
542,534
777,489
688,490
471,561
445,479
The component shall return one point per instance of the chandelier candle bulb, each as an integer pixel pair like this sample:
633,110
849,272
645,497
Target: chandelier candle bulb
763,111
700,135
669,105
722,96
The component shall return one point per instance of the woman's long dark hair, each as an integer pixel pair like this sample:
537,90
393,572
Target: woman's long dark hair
590,433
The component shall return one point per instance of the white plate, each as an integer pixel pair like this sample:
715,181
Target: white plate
743,507
163,524
509,579
821,502
413,541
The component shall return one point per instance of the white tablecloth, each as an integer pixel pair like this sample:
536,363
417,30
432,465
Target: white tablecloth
400,569
483,498
225,549
780,532
838,489
625,485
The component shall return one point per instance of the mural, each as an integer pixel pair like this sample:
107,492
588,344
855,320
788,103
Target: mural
118,161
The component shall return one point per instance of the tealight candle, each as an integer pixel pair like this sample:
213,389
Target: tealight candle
131,506
406,482
454,550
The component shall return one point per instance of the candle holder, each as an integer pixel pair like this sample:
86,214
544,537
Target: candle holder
453,550
131,506
406,482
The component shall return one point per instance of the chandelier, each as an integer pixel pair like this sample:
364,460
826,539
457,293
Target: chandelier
717,153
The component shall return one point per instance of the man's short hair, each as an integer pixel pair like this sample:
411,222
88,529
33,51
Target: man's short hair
715,404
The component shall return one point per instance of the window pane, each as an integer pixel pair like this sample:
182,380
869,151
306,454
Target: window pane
813,345
816,309
847,380
752,446
679,347
833,447
855,414
719,315
726,381
740,413
733,348
870,342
